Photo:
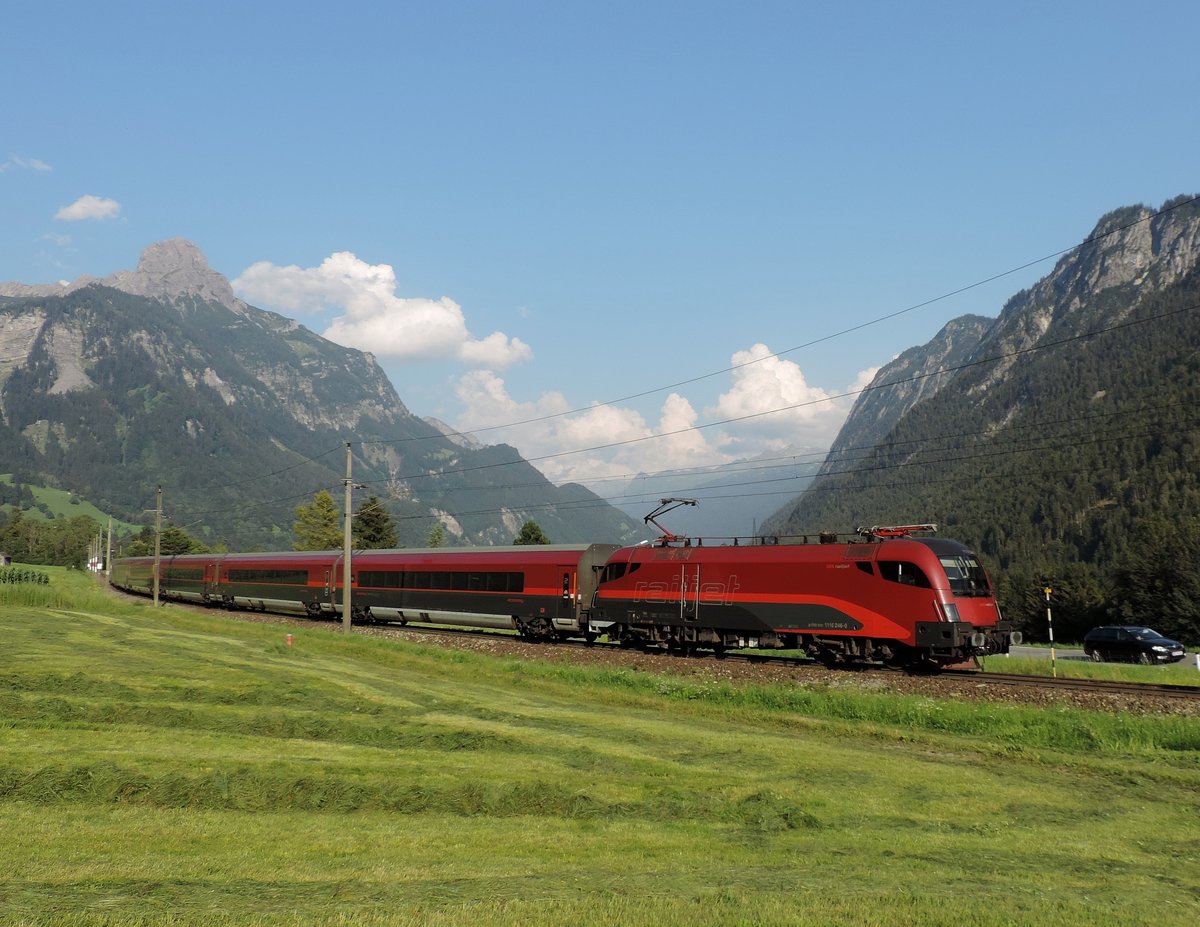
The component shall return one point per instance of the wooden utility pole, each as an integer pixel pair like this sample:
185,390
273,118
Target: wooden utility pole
157,541
347,542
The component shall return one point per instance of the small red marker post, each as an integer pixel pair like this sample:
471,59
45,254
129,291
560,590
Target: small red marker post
289,640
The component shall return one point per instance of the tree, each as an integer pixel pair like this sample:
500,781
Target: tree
59,541
531,533
1160,582
373,526
177,541
316,526
437,537
172,541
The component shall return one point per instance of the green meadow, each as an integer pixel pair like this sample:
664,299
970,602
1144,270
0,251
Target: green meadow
168,767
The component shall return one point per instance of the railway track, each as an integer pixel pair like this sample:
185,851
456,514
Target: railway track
978,677
801,666
1089,685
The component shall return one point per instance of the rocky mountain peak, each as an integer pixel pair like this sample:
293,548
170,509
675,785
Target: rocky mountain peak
174,268
167,270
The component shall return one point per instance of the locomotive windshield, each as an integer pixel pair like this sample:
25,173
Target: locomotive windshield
966,576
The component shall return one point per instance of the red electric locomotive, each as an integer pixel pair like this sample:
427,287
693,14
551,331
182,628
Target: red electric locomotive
883,595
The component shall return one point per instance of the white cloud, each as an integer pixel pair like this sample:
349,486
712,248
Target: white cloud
680,445
861,382
373,317
27,164
89,207
770,405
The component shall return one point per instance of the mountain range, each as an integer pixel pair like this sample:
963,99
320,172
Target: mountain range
112,387
1059,440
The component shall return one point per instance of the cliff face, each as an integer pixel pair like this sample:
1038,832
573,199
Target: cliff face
914,376
187,305
1070,426
161,375
1131,252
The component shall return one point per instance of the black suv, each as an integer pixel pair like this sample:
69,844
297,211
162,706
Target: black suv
1131,644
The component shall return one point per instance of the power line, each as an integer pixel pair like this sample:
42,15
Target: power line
576,505
808,344
734,420
1119,326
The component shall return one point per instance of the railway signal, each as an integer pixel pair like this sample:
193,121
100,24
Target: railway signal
1047,589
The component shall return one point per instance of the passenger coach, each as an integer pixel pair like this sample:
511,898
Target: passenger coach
541,591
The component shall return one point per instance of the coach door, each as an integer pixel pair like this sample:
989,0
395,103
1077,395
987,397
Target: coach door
332,574
212,571
566,600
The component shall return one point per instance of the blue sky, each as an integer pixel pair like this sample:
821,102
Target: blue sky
524,208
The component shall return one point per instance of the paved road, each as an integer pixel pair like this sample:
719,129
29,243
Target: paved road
1068,653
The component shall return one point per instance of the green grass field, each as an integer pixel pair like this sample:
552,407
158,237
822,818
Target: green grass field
1183,673
168,767
63,504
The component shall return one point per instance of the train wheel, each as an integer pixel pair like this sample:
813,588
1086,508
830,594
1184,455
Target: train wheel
537,629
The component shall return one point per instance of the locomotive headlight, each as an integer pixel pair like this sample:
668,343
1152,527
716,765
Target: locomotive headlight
951,611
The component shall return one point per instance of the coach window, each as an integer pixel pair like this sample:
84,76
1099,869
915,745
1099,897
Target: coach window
903,572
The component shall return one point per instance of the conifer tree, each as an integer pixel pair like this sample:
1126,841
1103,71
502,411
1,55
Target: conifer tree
531,533
316,526
374,528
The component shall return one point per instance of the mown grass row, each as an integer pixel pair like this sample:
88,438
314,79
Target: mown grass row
169,767
263,789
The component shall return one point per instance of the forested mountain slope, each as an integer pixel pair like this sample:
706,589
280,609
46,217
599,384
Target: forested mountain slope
1068,449
914,376
160,376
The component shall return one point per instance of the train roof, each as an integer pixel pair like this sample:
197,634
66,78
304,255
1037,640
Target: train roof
320,555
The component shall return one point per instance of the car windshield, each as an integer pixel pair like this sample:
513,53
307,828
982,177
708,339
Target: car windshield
966,576
1143,634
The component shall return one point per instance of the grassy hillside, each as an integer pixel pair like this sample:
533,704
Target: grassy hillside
62,504
169,767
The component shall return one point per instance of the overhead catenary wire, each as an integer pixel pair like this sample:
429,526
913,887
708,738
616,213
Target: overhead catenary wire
808,344
849,330
1119,326
1058,442
1007,355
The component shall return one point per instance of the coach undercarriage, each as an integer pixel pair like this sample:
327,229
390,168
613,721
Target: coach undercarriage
831,650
